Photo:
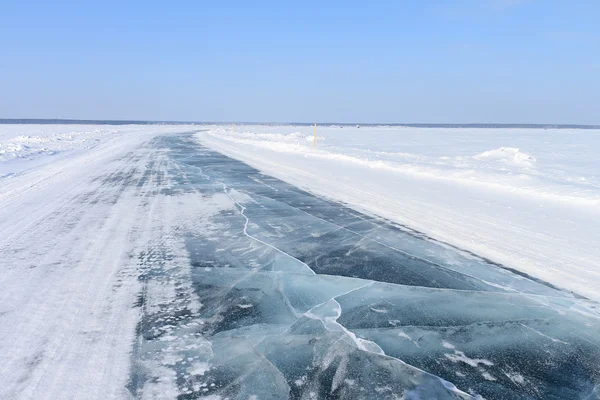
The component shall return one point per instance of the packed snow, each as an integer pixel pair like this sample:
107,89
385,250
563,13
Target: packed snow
526,198
71,219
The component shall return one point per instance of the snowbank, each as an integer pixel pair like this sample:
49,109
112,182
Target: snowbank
508,155
25,146
528,198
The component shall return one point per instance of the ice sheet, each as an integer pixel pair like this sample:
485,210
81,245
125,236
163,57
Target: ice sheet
389,313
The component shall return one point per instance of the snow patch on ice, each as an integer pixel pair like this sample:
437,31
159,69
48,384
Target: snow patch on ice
379,310
515,377
199,368
460,356
487,376
300,381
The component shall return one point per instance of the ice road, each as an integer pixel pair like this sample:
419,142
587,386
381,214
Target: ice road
151,267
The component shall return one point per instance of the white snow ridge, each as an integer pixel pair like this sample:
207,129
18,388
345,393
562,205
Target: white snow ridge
508,155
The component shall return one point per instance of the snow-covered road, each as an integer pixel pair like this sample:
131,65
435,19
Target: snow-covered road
69,235
149,266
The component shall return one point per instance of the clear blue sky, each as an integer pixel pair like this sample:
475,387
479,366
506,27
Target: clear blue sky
348,61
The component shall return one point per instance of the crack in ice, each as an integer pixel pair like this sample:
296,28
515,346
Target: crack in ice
242,209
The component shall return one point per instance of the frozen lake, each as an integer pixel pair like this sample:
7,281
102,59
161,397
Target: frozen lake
295,296
145,265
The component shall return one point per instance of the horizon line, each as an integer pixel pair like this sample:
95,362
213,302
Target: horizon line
50,121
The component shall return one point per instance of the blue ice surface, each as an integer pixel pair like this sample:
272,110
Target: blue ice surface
306,298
